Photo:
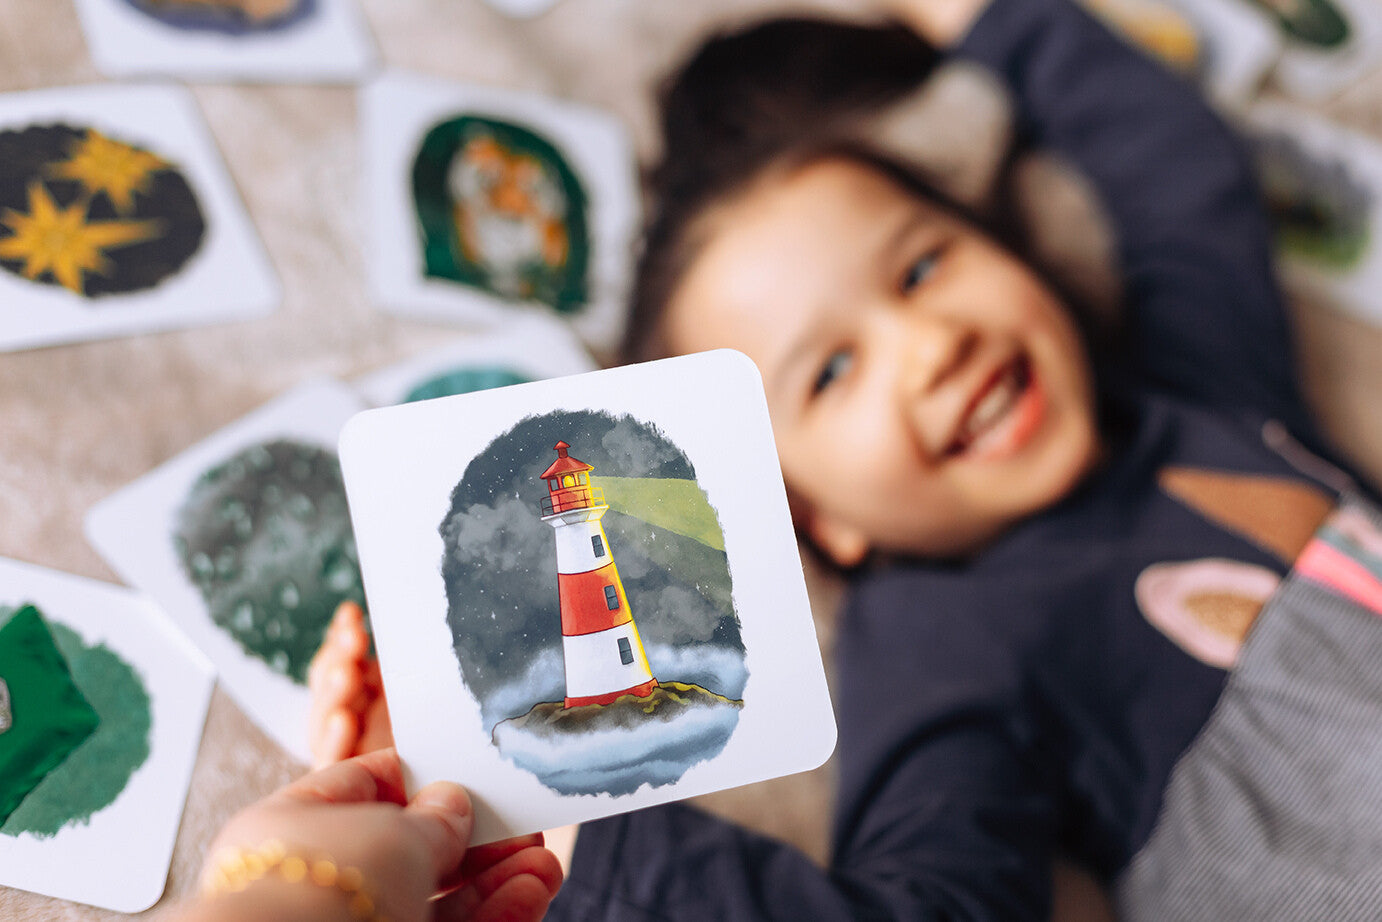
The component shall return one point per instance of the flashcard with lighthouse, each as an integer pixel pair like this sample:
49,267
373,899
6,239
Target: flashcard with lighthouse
586,593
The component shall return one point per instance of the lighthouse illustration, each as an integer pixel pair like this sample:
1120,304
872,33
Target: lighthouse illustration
601,648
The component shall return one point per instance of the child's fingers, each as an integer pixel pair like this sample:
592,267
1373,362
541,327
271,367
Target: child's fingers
345,641
442,816
337,701
376,776
334,738
524,898
376,730
483,857
533,861
515,889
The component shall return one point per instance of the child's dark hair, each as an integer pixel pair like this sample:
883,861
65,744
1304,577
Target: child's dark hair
776,92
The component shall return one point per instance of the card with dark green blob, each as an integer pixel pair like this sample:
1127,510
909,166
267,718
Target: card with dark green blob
47,716
500,210
265,536
97,770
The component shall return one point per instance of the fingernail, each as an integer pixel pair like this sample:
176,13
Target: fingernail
447,796
452,801
337,679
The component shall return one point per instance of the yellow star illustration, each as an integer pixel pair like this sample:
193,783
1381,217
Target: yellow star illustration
62,241
103,165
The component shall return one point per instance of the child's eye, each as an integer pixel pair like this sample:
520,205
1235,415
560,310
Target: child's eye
836,366
918,271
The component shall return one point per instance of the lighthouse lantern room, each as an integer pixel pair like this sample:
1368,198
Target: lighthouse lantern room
601,648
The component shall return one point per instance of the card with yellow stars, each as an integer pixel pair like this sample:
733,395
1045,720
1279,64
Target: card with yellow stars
117,217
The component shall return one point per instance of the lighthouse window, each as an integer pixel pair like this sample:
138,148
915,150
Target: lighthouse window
597,545
568,481
580,478
554,483
625,651
611,597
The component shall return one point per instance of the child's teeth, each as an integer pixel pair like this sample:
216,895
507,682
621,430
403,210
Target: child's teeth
992,405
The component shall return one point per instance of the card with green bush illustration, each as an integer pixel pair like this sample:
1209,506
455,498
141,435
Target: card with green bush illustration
108,699
1323,184
246,540
488,203
597,580
117,217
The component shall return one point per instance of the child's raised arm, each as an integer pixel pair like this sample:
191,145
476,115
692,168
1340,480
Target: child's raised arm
1203,312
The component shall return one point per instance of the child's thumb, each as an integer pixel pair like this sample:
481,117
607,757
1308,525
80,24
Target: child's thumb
441,814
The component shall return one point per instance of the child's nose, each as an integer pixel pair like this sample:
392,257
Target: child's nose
931,351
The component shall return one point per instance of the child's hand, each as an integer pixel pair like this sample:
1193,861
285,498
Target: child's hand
354,815
348,715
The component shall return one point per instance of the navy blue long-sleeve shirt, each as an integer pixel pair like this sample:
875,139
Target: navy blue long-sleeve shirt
1036,699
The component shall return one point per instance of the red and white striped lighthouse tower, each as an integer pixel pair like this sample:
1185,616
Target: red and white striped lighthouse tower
600,644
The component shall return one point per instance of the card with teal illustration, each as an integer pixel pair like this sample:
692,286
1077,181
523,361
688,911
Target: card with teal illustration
586,591
284,41
108,699
117,217
485,204
245,541
522,350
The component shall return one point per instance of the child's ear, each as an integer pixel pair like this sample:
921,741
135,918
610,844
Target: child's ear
840,541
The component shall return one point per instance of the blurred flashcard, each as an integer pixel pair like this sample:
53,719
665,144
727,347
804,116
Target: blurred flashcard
1227,46
117,217
246,542
285,41
586,591
522,9
1323,184
527,349
1327,44
104,703
486,203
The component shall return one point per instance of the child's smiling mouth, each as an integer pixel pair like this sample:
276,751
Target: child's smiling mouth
1001,416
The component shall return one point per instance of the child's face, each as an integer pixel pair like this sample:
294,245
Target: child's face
927,390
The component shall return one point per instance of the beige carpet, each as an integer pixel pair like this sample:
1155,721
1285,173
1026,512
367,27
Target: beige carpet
78,422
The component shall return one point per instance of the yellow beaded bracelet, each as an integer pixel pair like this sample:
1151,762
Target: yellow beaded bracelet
237,868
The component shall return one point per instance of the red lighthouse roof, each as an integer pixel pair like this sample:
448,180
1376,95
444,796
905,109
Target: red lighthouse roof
565,464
